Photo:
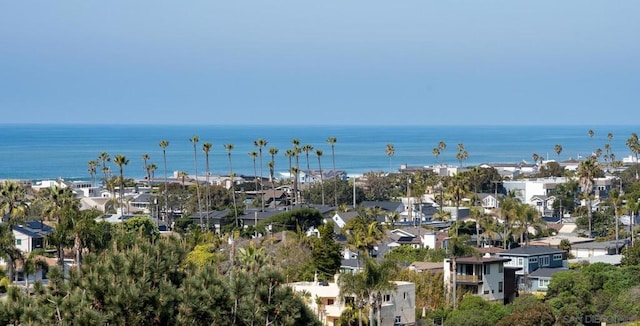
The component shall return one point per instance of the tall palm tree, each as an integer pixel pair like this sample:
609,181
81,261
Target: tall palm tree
296,151
587,172
457,189
121,160
319,155
145,158
151,170
441,147
535,157
229,148
436,152
261,143
8,250
289,153
254,156
390,151
273,151
92,169
558,149
103,158
13,207
332,141
164,144
194,140
206,148
271,165
306,149
591,133
634,146
462,153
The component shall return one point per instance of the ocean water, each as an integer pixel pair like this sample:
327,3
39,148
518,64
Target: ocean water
62,151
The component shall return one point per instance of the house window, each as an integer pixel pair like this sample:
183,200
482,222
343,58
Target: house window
499,287
543,283
533,260
18,242
500,268
557,257
519,261
330,302
487,269
405,295
387,297
544,260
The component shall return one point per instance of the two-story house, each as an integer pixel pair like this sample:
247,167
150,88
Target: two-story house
398,305
485,276
532,258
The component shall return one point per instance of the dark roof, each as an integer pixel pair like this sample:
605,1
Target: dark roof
531,251
389,206
481,260
211,214
34,229
601,245
546,272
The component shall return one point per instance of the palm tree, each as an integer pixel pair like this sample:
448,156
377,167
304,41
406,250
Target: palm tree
457,189
92,169
462,153
296,152
13,207
306,149
319,155
368,287
194,140
103,158
289,153
206,148
390,151
254,155
558,149
261,143
332,141
436,152
535,157
163,145
121,160
151,170
8,250
591,133
634,146
272,165
229,148
587,172
145,158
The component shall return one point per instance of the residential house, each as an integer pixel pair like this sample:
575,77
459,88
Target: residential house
482,276
543,204
215,219
398,305
538,280
31,235
592,249
531,258
490,201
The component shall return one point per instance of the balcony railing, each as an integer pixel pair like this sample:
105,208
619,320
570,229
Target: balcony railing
468,279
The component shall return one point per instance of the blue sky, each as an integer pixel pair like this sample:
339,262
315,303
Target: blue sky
426,62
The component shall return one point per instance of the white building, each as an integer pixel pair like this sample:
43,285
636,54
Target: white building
398,306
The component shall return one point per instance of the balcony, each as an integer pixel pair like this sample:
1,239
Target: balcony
470,279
